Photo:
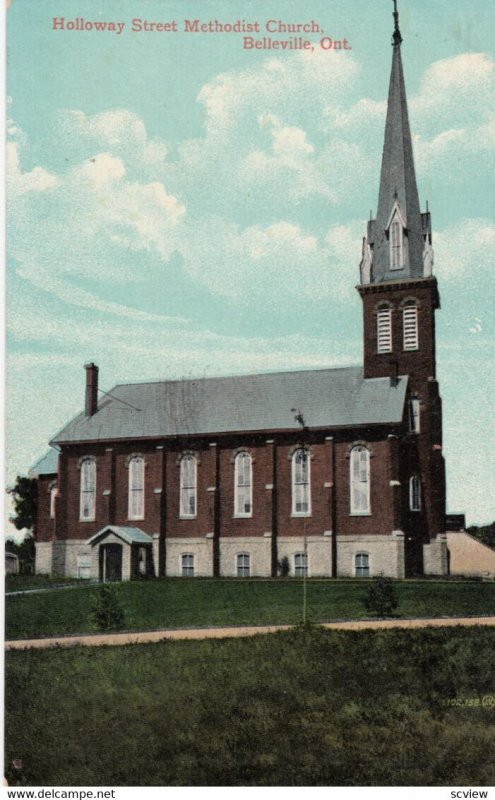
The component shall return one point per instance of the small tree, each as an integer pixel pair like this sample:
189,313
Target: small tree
284,567
24,495
381,597
108,613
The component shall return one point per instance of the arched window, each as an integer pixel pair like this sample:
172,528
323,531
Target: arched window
300,565
87,506
384,329
187,565
188,486
415,493
243,504
136,488
301,489
396,245
53,499
410,326
414,416
360,480
243,565
362,565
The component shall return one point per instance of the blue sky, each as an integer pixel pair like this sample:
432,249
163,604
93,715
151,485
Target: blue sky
181,206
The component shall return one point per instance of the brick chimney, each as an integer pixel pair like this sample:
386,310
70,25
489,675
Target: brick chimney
91,404
394,372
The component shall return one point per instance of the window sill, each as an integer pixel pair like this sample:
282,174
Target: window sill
360,514
87,519
188,516
242,516
135,519
295,515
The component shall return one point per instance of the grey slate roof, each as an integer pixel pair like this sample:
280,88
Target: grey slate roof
47,465
128,534
328,398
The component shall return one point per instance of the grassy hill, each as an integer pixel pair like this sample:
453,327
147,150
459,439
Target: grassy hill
176,603
303,707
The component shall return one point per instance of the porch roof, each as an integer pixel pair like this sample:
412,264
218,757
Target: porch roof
127,534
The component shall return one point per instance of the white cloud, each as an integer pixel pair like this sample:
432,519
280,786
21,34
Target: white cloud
265,135
276,84
451,82
466,247
355,118
454,113
90,222
119,130
18,183
270,265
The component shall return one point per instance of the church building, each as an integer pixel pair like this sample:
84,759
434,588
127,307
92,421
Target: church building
329,472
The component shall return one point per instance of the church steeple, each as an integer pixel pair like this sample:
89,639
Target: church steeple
399,239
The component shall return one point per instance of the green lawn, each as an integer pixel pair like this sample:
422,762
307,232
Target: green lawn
176,603
19,583
302,707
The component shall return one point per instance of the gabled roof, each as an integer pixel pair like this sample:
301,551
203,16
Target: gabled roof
46,465
328,398
127,534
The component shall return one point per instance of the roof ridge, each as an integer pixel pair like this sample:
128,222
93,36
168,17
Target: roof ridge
241,375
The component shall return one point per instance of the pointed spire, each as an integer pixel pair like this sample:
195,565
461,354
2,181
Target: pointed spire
396,37
398,195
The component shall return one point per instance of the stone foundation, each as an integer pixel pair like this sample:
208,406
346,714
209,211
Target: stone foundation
43,558
386,554
200,548
260,555
435,556
318,548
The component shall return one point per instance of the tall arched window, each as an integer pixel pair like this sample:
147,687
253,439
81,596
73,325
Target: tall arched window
410,326
415,493
136,488
243,504
301,488
87,506
360,480
396,245
188,486
414,416
53,499
384,329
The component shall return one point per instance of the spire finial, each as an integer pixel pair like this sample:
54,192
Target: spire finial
396,37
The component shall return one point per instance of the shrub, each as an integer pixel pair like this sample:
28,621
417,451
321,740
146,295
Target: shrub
108,612
381,597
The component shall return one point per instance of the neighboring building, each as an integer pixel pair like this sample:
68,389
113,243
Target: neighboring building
467,555
339,470
11,563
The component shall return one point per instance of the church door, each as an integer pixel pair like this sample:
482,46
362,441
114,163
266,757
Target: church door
111,562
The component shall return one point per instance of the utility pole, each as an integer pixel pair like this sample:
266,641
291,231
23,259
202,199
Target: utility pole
299,418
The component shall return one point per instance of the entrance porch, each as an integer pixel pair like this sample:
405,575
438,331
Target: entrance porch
120,553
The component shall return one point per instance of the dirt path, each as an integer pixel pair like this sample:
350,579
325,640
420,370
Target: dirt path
139,637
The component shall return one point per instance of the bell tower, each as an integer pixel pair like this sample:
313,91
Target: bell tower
400,297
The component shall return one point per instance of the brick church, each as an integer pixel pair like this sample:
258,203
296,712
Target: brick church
332,472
